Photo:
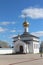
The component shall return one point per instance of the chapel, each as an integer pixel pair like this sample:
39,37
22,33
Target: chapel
26,42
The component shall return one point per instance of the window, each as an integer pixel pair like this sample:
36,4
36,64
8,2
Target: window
36,46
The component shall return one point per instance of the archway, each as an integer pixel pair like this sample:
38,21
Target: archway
21,49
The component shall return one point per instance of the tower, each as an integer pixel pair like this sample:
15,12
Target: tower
25,25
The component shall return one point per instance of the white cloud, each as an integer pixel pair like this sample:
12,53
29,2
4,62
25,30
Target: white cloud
16,31
12,36
33,12
13,31
19,30
6,23
12,22
2,29
39,33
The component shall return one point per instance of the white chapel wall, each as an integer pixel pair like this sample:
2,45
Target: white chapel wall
31,47
17,46
6,50
36,47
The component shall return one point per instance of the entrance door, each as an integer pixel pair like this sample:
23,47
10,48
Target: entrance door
21,49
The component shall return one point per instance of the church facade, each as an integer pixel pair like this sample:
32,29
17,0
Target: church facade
26,43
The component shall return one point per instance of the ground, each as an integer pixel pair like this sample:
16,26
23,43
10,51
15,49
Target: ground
21,59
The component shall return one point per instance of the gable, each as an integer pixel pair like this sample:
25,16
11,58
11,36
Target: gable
19,42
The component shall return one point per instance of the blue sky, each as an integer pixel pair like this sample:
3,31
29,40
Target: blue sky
12,17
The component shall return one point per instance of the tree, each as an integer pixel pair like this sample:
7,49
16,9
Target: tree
3,44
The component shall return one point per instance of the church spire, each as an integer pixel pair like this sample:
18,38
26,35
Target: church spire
25,24
25,16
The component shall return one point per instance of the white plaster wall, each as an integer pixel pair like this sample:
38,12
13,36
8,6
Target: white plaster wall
36,50
35,39
6,51
31,47
27,49
17,45
25,29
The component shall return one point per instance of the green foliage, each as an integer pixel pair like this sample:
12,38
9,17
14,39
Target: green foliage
3,44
